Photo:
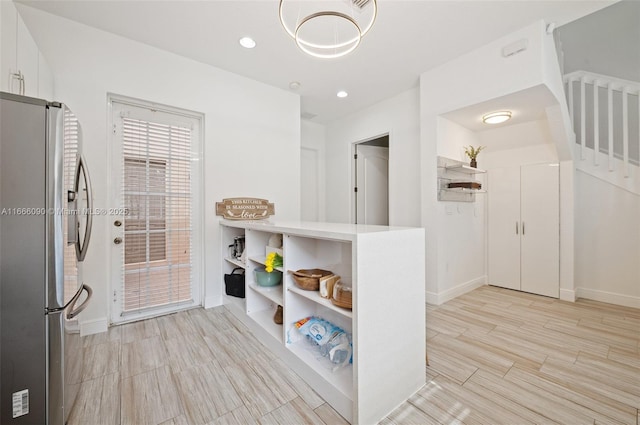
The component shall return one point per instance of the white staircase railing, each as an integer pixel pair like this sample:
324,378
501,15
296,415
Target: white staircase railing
605,113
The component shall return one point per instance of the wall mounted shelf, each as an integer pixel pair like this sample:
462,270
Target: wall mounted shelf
451,170
463,168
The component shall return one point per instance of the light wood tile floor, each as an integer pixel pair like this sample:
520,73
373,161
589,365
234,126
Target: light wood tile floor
496,357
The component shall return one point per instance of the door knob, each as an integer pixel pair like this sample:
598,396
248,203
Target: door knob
117,241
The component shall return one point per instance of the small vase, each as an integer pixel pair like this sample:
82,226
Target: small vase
473,163
277,318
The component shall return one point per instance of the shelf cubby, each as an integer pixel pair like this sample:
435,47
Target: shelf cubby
261,260
235,262
341,379
324,302
272,293
264,319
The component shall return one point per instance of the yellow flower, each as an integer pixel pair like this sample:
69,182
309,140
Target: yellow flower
273,260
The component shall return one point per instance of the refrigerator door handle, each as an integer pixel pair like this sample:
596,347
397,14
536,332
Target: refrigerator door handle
64,307
73,310
81,250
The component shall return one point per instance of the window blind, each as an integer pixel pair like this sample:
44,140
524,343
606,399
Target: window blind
156,190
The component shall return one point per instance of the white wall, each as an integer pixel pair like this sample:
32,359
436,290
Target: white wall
251,131
532,144
606,214
461,239
452,138
607,235
312,171
397,116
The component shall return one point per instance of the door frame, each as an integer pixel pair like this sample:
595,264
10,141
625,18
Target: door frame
354,172
198,243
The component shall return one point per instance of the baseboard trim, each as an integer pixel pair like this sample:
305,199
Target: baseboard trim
442,297
568,295
431,298
608,297
90,327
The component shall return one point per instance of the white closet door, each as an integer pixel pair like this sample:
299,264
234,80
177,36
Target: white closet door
540,241
504,227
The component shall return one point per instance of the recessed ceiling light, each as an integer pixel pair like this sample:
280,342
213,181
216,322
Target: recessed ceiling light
247,42
342,94
496,117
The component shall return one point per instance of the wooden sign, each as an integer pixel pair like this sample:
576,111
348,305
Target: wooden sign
245,208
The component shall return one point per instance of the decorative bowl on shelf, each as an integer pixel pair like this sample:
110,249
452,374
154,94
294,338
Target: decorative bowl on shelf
309,279
264,278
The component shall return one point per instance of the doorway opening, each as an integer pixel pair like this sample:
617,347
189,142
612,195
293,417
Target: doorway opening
371,181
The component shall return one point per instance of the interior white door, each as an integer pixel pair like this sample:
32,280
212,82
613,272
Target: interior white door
540,229
504,227
372,183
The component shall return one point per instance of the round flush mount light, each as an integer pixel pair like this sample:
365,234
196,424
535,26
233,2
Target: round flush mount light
342,94
294,85
247,42
496,117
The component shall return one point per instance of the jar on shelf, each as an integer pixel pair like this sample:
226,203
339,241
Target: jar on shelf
342,295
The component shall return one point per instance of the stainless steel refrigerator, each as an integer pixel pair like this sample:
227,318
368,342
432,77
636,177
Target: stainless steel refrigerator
45,228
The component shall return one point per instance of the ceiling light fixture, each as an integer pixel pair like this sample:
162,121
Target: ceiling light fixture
496,117
342,94
329,33
247,42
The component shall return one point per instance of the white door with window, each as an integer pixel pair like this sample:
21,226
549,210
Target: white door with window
155,219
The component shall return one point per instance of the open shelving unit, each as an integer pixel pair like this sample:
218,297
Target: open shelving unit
388,306
451,170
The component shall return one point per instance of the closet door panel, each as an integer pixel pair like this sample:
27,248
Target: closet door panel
540,232
504,223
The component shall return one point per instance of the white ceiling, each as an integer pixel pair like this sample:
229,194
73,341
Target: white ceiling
408,38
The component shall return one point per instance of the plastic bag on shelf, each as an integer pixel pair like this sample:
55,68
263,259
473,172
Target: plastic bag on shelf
327,339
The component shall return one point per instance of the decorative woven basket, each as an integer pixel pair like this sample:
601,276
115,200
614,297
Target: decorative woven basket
309,279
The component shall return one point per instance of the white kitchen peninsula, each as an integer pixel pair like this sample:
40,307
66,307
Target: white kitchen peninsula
384,265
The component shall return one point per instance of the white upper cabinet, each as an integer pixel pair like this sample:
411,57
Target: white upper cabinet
23,69
8,15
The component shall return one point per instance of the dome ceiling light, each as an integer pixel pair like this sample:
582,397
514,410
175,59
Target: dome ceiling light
327,29
496,117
